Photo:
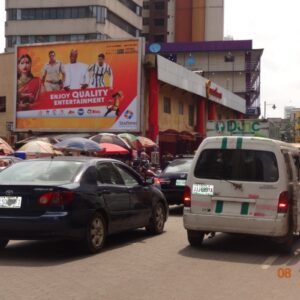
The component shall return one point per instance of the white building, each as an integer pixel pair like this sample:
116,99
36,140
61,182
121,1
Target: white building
38,21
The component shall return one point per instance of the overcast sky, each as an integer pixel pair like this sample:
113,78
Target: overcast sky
272,25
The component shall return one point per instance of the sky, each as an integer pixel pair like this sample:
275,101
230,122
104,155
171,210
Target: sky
272,25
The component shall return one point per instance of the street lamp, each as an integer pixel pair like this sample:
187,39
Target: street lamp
265,107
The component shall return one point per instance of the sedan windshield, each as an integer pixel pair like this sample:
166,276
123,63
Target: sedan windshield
41,172
179,166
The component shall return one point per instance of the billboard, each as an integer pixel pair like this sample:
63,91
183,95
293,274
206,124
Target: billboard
82,86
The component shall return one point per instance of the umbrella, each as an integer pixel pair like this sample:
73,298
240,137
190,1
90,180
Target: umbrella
78,144
5,147
130,139
113,149
146,142
111,139
46,139
37,147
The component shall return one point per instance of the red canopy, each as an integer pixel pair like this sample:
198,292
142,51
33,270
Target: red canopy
112,149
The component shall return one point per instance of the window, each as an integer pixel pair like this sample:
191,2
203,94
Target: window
167,105
145,21
179,166
2,104
25,39
121,23
53,13
146,5
106,173
159,38
240,165
180,108
128,179
159,22
191,115
159,5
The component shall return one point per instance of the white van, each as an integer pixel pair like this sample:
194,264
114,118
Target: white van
245,185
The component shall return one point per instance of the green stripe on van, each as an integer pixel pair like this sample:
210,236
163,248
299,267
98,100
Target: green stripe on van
219,207
239,143
244,208
224,143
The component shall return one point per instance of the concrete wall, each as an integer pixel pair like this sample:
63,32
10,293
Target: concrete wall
214,20
171,21
174,120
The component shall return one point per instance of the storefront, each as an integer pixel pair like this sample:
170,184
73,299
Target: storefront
178,104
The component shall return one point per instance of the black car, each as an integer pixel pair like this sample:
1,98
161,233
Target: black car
76,198
173,178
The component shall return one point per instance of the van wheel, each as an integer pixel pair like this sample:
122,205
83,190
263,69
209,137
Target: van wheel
195,237
3,244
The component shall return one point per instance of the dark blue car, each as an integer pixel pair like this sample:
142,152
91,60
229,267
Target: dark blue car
76,198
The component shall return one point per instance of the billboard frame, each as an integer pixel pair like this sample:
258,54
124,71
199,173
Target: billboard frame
140,89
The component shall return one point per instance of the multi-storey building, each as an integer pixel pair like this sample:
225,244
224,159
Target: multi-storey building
183,20
39,21
234,65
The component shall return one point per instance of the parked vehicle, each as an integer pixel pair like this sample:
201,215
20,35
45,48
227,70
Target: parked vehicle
76,198
244,185
6,161
173,179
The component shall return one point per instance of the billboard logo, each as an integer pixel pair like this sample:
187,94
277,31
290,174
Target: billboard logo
80,112
128,114
71,112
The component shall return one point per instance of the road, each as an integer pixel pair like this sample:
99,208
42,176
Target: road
138,266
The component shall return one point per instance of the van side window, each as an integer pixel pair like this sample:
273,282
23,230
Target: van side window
296,161
236,164
288,166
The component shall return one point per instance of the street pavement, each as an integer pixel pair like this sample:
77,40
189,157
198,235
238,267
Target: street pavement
135,265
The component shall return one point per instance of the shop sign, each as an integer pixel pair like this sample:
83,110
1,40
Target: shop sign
238,127
212,92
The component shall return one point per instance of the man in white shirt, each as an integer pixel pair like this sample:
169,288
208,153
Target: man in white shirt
98,71
76,76
53,73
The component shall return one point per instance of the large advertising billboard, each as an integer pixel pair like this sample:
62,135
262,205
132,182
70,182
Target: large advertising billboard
86,86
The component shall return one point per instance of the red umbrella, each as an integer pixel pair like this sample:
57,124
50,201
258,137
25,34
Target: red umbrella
112,149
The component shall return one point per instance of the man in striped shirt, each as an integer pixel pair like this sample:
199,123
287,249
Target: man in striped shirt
98,73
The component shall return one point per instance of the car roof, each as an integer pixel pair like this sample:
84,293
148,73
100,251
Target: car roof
74,158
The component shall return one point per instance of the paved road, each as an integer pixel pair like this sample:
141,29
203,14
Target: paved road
137,266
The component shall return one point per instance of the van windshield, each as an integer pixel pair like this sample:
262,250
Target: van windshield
239,165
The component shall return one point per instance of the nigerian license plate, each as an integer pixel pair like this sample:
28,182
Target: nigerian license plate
10,202
180,182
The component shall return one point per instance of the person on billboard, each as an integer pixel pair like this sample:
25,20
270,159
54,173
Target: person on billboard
98,73
76,73
117,97
53,74
29,87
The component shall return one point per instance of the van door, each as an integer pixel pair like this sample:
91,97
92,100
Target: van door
239,181
295,162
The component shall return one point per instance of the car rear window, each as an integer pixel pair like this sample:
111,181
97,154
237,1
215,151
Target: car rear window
41,172
178,166
239,165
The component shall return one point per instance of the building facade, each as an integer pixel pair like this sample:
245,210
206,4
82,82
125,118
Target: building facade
40,21
183,20
234,65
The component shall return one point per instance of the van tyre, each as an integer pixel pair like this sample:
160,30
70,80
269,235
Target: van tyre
158,219
3,243
285,245
95,235
195,237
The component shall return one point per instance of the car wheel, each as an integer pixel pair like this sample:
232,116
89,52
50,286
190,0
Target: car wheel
195,237
158,219
3,243
95,234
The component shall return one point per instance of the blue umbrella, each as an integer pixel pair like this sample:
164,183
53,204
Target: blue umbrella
78,144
